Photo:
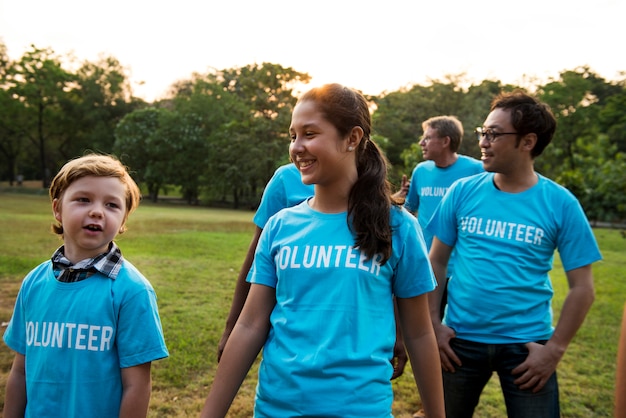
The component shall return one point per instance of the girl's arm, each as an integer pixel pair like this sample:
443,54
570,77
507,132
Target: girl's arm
242,348
421,345
242,287
136,390
15,394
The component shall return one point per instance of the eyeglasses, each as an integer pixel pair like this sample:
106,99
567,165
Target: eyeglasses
427,139
490,135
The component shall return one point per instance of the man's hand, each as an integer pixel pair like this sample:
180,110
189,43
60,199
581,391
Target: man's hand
399,358
538,367
222,343
448,357
404,189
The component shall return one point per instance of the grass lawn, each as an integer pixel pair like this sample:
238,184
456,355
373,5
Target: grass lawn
192,257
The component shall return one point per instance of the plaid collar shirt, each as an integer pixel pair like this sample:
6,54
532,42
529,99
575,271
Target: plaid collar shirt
108,264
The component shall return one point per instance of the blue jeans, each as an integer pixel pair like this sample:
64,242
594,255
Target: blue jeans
462,388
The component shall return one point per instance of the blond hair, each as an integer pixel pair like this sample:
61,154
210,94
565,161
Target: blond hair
95,165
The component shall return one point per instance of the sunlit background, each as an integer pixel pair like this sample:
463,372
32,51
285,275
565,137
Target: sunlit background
374,46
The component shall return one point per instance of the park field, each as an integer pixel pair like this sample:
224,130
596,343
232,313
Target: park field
192,256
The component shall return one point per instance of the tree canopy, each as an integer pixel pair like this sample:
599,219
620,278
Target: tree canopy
217,137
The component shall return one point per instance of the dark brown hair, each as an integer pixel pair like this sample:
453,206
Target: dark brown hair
370,198
528,115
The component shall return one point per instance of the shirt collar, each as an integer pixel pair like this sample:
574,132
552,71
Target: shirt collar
108,264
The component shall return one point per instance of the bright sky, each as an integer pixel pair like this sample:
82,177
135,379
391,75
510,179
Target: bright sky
370,45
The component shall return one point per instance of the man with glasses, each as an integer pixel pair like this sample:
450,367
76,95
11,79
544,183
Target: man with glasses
505,226
431,178
442,166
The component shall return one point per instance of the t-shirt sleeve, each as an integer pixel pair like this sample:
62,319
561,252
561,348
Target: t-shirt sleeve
263,270
15,334
139,332
411,203
443,222
273,200
413,274
576,243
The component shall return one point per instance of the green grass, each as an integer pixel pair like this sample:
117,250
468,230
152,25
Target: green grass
192,257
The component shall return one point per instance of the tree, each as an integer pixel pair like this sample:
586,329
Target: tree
214,110
163,147
612,118
267,89
245,113
474,110
139,145
399,115
598,180
184,136
576,99
11,134
38,81
100,97
10,121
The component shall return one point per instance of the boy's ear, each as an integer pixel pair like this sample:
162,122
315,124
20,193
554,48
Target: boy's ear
123,227
56,209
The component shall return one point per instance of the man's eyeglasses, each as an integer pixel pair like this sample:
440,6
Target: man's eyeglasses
490,135
427,139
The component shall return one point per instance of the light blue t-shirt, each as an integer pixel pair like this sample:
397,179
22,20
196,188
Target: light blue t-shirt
77,336
284,190
333,329
429,183
505,242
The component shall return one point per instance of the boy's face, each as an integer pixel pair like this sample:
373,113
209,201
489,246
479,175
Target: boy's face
92,211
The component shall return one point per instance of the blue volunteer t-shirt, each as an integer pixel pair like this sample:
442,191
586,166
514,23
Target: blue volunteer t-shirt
430,183
284,190
77,336
505,243
332,330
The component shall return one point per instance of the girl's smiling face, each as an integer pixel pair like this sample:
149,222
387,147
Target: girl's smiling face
92,211
317,149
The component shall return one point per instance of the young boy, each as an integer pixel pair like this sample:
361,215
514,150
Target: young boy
85,326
